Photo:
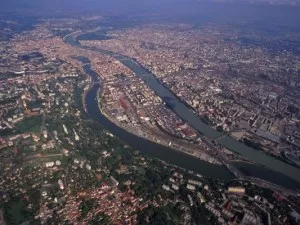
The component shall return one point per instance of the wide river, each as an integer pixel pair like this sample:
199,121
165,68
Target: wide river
266,167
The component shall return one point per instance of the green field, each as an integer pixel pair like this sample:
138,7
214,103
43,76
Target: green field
32,124
15,212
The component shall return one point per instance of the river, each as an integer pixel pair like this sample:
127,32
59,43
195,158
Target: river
151,148
267,167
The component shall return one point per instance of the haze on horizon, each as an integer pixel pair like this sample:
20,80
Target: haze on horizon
121,6
265,13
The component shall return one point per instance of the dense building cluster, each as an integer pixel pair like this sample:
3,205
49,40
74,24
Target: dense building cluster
245,89
58,166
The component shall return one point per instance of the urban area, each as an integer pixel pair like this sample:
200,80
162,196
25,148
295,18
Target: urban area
60,166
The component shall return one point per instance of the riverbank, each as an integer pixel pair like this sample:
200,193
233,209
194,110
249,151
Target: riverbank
152,135
177,147
151,148
277,169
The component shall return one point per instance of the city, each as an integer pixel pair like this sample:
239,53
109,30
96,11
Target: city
85,139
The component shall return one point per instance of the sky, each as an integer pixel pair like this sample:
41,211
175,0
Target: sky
232,10
112,5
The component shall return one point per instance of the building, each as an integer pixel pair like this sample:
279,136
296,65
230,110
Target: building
166,187
114,181
191,187
60,184
236,190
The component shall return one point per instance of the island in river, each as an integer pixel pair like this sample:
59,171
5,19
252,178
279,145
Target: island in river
267,167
